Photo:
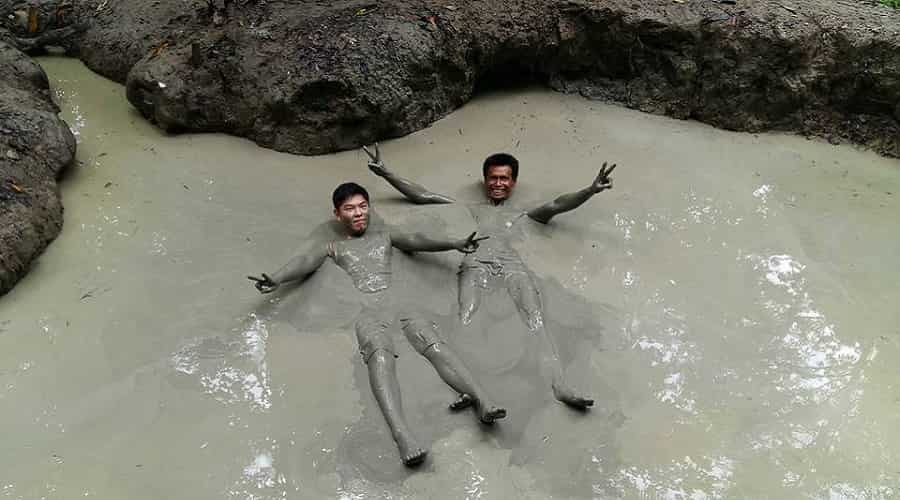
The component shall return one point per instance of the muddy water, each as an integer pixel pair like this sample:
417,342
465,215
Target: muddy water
731,305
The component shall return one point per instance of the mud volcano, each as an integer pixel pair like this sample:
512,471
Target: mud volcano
316,77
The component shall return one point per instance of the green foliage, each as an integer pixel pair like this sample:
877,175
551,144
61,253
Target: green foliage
892,3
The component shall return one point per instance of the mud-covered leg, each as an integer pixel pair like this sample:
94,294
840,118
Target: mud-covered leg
378,353
472,282
383,379
425,339
527,298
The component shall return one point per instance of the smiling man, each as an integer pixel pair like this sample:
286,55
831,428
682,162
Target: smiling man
366,256
496,264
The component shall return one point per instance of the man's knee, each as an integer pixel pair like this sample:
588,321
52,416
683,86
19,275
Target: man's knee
373,339
421,333
379,357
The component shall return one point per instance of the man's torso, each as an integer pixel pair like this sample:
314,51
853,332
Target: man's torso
503,223
366,259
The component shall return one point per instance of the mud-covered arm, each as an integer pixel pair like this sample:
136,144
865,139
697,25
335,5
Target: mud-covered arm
302,265
297,268
571,201
418,242
415,193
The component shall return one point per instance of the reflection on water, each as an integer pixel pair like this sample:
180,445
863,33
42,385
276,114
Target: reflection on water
231,370
736,318
682,479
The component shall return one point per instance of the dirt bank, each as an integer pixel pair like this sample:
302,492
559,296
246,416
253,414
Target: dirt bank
35,146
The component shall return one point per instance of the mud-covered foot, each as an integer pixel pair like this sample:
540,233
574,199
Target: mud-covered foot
462,403
410,452
565,394
488,413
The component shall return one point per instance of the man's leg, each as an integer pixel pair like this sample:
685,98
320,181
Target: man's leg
527,297
424,338
472,281
378,353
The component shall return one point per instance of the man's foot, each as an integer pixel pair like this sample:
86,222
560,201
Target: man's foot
410,452
565,394
488,413
462,403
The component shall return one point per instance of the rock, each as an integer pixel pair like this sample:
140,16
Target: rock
319,78
42,24
30,207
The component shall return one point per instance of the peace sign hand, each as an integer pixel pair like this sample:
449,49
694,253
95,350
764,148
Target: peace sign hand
375,164
603,181
264,284
470,244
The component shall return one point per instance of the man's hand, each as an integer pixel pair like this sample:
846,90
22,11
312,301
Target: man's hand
603,181
264,284
470,244
375,164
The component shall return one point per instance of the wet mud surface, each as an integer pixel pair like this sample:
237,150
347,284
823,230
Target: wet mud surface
729,304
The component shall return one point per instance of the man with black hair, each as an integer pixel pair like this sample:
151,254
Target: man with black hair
496,263
366,257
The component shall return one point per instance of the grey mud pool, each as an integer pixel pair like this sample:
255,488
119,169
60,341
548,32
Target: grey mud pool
731,305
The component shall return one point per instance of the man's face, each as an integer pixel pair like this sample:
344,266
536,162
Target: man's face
354,214
499,183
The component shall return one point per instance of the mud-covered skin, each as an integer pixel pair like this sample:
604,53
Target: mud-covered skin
367,261
495,263
366,258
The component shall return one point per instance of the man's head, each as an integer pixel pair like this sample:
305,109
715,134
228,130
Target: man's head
500,172
351,207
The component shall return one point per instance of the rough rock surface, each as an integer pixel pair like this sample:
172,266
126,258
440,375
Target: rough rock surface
35,147
33,25
313,77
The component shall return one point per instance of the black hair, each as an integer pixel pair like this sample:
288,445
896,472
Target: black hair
501,159
346,190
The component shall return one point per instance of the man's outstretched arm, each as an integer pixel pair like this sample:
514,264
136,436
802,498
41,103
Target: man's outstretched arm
415,193
418,242
297,268
571,201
